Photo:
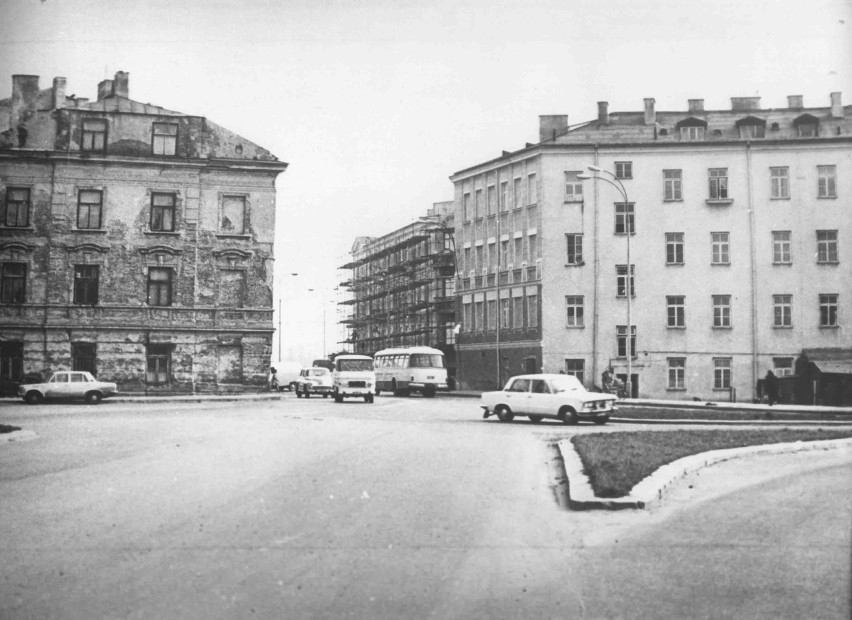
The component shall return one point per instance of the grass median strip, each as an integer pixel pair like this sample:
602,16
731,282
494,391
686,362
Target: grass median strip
616,462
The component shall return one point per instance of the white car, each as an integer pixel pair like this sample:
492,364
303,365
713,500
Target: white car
561,397
314,380
67,385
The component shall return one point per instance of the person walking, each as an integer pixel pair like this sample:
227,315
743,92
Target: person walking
770,384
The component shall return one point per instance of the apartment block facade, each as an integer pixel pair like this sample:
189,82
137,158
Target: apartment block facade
135,242
736,221
401,290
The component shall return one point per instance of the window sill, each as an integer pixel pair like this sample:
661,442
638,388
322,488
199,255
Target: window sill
728,264
719,202
581,264
779,198
782,327
826,197
232,236
681,328
18,228
829,326
675,264
723,327
828,262
672,199
97,231
569,201
673,389
787,264
575,327
168,233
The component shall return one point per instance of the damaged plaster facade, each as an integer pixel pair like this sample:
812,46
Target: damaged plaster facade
136,242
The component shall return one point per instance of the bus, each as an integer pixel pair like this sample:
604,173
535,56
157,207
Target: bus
410,369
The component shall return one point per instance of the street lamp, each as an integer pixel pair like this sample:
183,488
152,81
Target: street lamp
597,174
324,302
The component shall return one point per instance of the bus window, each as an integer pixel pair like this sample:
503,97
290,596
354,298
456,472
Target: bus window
425,360
403,362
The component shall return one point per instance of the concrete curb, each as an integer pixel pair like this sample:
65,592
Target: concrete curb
651,489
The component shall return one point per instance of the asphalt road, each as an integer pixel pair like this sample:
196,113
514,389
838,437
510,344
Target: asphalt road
407,508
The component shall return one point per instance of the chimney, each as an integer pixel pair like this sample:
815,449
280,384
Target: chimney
650,112
795,102
121,84
58,93
550,126
742,104
603,112
24,98
836,106
696,105
104,89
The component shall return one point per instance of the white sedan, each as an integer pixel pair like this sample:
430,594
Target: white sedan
67,385
561,397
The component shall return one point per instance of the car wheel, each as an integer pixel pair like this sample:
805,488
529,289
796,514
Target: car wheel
307,393
93,398
368,398
504,414
338,398
33,397
325,395
602,420
568,415
535,419
298,393
429,391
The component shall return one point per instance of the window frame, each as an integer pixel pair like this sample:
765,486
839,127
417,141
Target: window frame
779,183
86,287
576,367
829,309
722,373
676,371
623,170
625,217
162,210
574,311
673,185
13,286
574,249
573,186
827,181
163,141
621,341
676,311
243,220
782,248
828,248
88,208
674,248
782,311
161,355
156,287
718,188
625,278
20,206
722,314
88,135
720,249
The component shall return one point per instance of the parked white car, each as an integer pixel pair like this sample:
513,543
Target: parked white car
68,385
314,380
561,397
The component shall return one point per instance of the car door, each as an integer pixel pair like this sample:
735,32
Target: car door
540,397
57,387
518,396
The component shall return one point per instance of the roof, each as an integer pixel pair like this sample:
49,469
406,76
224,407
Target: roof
834,367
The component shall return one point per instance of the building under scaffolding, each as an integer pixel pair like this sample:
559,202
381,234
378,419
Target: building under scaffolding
402,287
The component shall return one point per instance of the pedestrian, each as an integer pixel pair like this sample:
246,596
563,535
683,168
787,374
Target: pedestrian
770,384
606,379
273,380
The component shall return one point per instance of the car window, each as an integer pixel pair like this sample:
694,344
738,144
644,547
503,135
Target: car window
77,378
540,387
60,377
520,385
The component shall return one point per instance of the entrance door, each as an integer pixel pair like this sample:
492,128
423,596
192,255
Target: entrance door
530,366
634,388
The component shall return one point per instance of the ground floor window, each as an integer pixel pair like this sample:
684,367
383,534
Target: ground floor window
783,366
722,373
159,362
576,368
677,373
11,361
83,357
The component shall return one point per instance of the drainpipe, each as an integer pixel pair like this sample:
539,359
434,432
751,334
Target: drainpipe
497,279
752,272
596,271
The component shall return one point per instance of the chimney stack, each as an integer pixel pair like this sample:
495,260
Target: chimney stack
550,126
743,104
836,106
24,99
603,112
696,105
795,102
121,84
650,112
104,89
58,93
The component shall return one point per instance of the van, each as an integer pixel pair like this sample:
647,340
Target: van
353,376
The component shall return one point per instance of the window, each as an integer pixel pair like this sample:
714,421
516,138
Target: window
479,315
532,310
162,212
466,207
518,194
467,317
480,260
159,361
692,133
574,245
722,311
11,361
676,310
720,248
782,306
89,206
13,279
233,215
477,204
532,190
504,196
718,178
780,182
159,286
574,310
621,280
624,219
532,243
576,368
491,197
721,373
517,312
94,135
827,181
505,313
826,246
677,373
164,139
828,310
673,184
621,340
504,253
491,311
86,285
624,170
519,251
674,248
17,207
752,130
84,357
782,247
807,128
573,187
783,366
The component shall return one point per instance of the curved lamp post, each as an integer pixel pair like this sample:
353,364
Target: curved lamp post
598,174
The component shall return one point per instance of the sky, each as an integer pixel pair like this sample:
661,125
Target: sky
375,103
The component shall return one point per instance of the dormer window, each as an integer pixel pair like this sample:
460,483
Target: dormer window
692,129
751,127
94,135
807,126
164,139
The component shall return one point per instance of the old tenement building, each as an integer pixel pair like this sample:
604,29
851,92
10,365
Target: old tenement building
739,223
135,242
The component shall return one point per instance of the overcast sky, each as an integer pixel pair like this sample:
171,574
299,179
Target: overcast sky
375,103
